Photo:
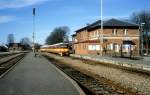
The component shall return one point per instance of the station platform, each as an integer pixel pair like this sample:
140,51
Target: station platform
37,76
141,64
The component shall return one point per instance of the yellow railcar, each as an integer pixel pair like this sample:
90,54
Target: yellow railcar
60,48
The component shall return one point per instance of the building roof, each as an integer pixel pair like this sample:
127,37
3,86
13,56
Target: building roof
111,23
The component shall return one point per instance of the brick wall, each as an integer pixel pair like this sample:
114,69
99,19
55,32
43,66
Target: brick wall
83,45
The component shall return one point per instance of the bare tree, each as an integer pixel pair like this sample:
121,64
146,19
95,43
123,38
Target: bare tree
58,35
26,43
10,38
143,17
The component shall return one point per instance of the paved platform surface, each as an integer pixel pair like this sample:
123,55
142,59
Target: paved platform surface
36,76
145,61
142,64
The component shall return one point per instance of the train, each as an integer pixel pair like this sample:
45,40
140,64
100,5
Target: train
63,49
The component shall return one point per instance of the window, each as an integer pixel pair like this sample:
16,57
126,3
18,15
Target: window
84,46
79,46
110,46
114,31
76,46
93,47
97,33
90,47
75,40
91,34
125,31
97,47
117,48
126,48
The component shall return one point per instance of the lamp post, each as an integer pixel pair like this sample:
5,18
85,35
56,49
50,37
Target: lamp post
101,33
141,37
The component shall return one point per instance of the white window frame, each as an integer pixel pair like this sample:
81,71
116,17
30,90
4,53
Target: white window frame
89,47
97,47
126,48
114,32
97,33
125,31
111,46
117,48
93,47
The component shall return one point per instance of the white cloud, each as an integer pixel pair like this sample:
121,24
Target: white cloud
19,3
5,19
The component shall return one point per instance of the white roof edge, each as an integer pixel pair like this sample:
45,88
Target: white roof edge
53,45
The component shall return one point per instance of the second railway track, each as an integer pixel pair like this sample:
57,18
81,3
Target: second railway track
5,55
8,61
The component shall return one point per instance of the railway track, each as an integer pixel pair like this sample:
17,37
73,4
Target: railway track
90,85
5,55
7,62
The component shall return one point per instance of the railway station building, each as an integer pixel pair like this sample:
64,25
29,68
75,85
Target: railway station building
117,37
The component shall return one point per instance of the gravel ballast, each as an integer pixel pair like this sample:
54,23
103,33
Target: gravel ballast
136,82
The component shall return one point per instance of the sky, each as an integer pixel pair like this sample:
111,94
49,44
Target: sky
16,15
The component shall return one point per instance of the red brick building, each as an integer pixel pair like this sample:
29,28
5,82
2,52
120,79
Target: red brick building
117,37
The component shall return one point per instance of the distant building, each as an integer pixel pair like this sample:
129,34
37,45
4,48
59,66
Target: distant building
15,47
119,37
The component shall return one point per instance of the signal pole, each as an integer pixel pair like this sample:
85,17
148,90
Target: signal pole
33,36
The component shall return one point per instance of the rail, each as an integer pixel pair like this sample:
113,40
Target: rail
7,63
6,54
